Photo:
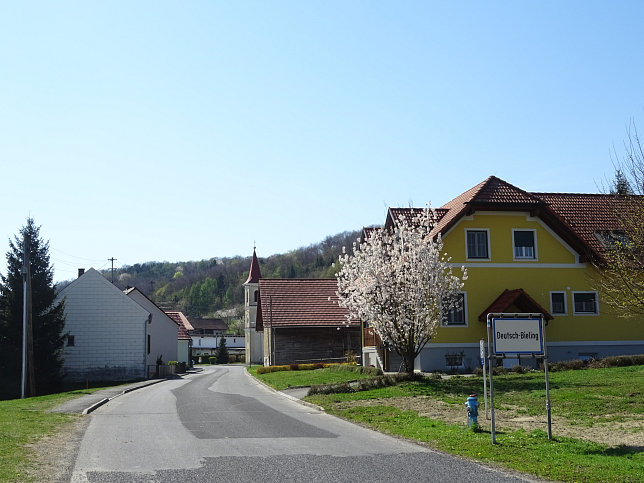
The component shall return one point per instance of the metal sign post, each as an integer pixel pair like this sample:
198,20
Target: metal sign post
483,363
516,336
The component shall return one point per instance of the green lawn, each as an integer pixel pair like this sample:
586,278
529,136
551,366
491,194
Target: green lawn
582,398
285,379
24,421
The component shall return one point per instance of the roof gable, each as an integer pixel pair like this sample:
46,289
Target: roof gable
299,303
518,298
576,218
92,284
183,324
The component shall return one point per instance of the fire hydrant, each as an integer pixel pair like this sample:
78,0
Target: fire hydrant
472,406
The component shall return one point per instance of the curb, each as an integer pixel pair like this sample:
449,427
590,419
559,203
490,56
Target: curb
103,401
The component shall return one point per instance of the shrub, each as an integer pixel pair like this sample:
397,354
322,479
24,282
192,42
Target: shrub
363,384
294,367
267,369
232,358
212,360
172,363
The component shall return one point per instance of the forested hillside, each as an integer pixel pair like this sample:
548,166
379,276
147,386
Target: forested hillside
206,287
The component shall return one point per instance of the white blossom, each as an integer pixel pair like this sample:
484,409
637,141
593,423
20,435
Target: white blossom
400,282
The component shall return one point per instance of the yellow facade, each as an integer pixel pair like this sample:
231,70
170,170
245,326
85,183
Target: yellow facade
555,267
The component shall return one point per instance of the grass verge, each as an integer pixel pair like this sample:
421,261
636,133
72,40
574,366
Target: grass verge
285,379
583,399
25,421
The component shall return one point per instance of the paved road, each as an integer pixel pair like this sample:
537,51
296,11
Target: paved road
221,425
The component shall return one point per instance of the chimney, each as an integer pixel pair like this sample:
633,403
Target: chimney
81,271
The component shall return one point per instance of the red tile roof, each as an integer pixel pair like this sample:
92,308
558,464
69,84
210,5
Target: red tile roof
574,217
517,297
587,214
299,303
182,322
254,274
212,324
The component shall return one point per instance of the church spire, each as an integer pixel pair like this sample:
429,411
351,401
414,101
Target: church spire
254,275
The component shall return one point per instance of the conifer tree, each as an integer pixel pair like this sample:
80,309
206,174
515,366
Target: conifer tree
48,318
222,352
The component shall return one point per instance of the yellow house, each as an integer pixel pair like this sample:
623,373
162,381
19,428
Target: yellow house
526,252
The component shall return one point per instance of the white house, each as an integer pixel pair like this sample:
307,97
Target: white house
107,331
162,331
184,342
208,345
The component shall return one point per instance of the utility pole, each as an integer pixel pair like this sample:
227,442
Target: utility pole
112,260
28,372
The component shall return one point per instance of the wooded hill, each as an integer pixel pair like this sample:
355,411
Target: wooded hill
207,287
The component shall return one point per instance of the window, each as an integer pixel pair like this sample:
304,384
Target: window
149,343
255,296
558,303
70,341
477,244
454,312
524,244
585,303
613,238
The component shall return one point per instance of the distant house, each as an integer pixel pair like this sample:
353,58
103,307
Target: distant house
208,327
162,331
302,322
208,345
184,341
107,332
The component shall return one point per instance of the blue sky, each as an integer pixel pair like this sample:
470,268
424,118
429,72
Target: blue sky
164,130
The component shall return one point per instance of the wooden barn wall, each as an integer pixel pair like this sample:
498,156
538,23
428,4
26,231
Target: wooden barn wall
315,344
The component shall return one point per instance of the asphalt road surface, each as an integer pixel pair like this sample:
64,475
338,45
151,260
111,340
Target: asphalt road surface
221,425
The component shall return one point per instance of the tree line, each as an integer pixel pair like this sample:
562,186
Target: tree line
206,287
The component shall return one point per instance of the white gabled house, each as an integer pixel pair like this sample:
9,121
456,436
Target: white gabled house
107,332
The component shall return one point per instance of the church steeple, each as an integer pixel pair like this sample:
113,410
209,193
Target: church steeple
255,274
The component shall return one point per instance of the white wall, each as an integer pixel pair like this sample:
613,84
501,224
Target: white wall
109,331
162,329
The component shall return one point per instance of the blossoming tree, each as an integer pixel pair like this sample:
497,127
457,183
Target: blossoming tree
399,281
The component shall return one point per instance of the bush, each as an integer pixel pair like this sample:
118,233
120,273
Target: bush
363,384
294,367
172,363
212,360
232,358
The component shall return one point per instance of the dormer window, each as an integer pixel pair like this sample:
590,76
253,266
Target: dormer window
525,246
612,238
255,296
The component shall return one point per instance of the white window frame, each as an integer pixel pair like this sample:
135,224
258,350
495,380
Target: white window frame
574,306
489,249
534,245
565,302
444,323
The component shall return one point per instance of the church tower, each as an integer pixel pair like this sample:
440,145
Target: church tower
254,339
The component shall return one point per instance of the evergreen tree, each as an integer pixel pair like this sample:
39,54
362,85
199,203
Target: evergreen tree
222,352
621,185
48,319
